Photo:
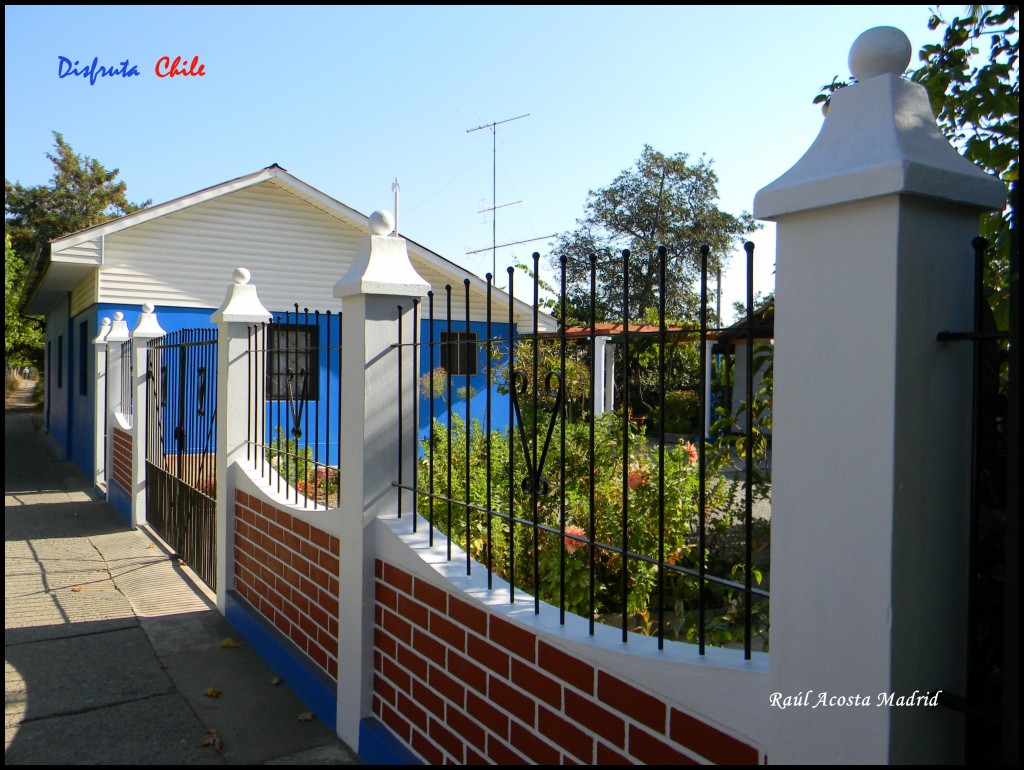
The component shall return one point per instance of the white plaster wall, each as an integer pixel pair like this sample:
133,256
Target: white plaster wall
835,365
721,688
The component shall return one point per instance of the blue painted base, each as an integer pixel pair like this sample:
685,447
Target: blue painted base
379,746
313,687
119,500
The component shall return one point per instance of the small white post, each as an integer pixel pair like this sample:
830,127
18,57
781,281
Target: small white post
380,280
100,406
241,309
871,424
609,378
148,328
600,385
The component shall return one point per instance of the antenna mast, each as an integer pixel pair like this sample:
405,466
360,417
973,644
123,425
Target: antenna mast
494,187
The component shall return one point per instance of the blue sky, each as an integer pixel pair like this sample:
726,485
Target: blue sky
348,98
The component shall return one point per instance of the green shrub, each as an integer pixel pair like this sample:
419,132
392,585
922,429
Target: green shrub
515,554
682,413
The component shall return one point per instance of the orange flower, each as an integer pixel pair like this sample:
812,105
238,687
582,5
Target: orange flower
571,543
637,478
691,451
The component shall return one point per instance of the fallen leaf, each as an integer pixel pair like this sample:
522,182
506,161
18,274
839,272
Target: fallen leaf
230,643
76,590
212,692
151,545
276,680
212,740
306,716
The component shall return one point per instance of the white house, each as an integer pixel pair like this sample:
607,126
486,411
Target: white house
179,255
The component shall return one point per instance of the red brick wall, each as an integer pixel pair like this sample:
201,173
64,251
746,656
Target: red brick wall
288,571
459,684
122,471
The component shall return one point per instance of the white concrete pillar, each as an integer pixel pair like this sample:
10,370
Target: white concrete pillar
709,413
600,375
118,334
241,309
380,279
100,422
872,426
147,328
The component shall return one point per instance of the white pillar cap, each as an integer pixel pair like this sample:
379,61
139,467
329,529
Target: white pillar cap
381,265
148,326
118,329
101,338
879,138
241,303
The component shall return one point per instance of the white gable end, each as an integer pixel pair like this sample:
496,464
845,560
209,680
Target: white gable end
295,252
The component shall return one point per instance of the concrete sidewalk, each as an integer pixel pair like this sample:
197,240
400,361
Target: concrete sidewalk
110,650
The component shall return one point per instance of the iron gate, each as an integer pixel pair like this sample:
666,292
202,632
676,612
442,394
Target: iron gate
181,446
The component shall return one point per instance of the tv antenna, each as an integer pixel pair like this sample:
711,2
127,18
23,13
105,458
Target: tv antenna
494,189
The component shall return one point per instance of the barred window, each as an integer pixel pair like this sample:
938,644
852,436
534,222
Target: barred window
293,363
459,352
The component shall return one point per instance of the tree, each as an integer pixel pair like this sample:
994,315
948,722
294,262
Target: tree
977,105
666,201
23,338
81,194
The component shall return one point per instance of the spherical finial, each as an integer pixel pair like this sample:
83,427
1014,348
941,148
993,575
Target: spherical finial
879,51
147,308
105,321
241,276
382,222
118,316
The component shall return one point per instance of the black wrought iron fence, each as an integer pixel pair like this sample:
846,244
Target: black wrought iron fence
181,445
598,514
127,381
294,407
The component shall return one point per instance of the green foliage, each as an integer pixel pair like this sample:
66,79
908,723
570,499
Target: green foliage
82,193
665,200
976,97
298,467
23,337
508,546
682,412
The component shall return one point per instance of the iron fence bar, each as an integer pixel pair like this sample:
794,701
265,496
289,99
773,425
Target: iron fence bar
487,437
431,434
250,400
398,350
593,452
748,502
536,481
415,399
470,349
316,420
511,445
561,474
662,259
303,337
702,457
447,348
625,440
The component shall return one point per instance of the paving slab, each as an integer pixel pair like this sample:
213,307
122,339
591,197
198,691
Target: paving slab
111,647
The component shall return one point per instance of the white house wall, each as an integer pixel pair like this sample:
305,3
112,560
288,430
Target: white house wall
89,251
85,293
295,251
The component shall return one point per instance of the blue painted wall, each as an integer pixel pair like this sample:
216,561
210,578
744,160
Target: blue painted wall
71,413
